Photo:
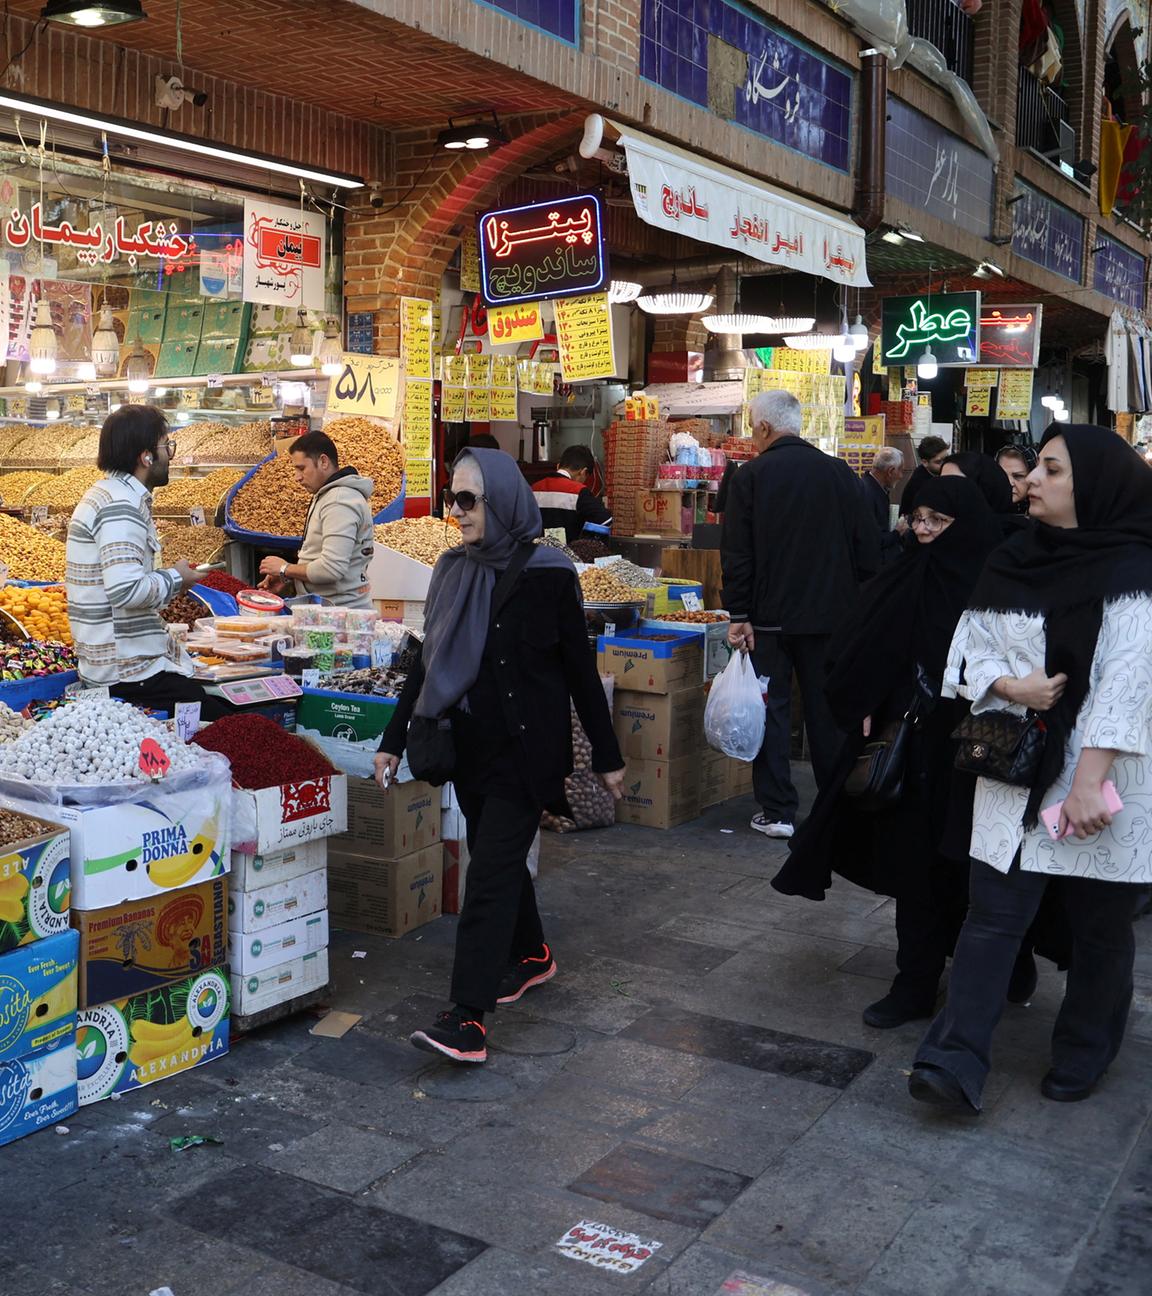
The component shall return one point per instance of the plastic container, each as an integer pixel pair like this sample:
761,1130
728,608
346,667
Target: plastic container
359,619
259,603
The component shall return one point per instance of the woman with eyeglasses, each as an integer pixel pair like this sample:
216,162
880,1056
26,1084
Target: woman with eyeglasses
500,663
992,482
886,661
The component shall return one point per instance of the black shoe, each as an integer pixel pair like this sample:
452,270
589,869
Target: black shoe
928,1084
1060,1089
1025,977
454,1037
894,1010
524,975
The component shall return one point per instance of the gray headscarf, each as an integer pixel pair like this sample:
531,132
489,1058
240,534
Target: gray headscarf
459,603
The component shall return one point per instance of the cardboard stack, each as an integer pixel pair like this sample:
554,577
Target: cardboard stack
453,832
386,871
633,452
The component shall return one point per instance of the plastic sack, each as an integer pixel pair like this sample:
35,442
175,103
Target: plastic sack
734,716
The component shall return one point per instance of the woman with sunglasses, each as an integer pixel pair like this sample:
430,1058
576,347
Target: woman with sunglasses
502,674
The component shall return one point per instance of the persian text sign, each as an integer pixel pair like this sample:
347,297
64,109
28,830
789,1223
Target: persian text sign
584,335
553,249
1010,336
947,324
606,1247
416,337
366,385
283,256
928,167
417,419
1118,272
1047,233
1014,398
509,325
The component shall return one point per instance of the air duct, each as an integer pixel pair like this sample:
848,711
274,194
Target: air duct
727,360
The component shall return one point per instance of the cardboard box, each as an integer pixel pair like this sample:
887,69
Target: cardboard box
290,814
659,513
268,906
739,778
38,996
129,948
37,1091
352,717
660,794
148,1037
387,896
456,858
390,824
35,887
714,641
250,871
659,726
394,576
651,661
280,984
715,779
256,951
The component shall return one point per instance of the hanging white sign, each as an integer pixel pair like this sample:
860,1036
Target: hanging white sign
284,250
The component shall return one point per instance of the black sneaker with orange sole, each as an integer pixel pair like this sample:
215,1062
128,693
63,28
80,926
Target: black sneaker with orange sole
525,974
453,1036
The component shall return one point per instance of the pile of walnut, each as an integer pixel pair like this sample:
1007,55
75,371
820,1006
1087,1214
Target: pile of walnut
600,586
423,539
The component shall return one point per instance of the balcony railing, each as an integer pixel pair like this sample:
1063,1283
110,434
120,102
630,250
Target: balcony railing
1041,117
948,28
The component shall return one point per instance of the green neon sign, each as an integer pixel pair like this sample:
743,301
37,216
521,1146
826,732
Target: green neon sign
947,323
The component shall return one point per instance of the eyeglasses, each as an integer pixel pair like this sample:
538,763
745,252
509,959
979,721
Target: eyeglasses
929,521
465,499
169,444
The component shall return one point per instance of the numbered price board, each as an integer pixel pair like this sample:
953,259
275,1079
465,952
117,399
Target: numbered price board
366,385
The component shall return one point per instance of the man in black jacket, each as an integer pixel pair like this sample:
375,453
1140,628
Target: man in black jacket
876,484
797,542
932,451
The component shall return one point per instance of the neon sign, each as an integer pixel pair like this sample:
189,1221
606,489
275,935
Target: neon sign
553,249
946,323
1010,335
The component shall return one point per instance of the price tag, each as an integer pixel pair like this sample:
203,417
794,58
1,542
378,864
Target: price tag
153,759
187,720
3,574
39,513
267,380
691,602
91,390
197,516
215,380
310,678
381,654
609,629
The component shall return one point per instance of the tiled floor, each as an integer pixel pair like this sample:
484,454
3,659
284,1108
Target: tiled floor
696,1082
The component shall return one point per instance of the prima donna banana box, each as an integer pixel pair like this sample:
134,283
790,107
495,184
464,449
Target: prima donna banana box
38,996
147,1037
133,947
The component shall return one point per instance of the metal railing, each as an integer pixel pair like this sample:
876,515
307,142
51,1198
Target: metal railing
948,28
1040,111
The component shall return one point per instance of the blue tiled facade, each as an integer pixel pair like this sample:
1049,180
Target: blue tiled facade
1118,272
786,92
560,18
930,168
1047,233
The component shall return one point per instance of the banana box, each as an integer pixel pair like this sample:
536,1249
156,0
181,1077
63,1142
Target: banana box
35,887
267,906
289,814
148,1037
38,996
36,1091
133,947
250,871
276,985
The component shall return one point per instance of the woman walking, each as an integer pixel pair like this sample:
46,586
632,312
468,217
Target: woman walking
505,648
1061,625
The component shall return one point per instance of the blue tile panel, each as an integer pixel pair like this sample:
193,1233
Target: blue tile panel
1047,233
559,18
789,93
1118,272
930,168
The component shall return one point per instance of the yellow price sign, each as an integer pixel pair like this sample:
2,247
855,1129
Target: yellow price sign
504,405
365,385
584,336
418,478
479,406
416,337
418,419
453,404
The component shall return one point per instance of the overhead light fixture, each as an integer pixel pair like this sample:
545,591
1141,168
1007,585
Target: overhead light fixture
859,334
892,236
117,126
738,322
789,323
33,387
86,371
84,13
105,344
1049,401
911,234
623,290
42,342
138,368
474,135
845,351
300,344
675,303
926,366
814,342
330,357
1061,415
52,411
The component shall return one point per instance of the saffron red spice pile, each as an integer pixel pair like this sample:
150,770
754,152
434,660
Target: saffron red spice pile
261,753
219,580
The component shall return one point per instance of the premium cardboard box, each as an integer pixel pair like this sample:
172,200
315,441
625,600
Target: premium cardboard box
290,814
38,996
256,951
660,794
386,896
715,778
659,513
398,822
659,726
250,870
648,661
276,985
268,906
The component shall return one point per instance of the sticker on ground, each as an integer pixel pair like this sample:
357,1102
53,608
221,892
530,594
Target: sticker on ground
742,1284
606,1247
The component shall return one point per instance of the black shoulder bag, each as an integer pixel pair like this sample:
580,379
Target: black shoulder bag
876,780
431,744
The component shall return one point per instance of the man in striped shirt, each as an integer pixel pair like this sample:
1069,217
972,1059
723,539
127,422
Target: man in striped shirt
115,591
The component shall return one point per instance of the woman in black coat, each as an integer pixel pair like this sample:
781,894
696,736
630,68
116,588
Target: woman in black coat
503,675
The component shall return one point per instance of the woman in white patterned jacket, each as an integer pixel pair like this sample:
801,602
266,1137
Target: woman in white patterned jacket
1059,624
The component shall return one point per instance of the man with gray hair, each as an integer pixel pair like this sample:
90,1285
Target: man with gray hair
797,541
876,484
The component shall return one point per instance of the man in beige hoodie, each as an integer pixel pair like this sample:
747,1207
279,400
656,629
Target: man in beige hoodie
337,545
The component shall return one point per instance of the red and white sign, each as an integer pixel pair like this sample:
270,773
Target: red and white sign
303,800
283,256
606,1247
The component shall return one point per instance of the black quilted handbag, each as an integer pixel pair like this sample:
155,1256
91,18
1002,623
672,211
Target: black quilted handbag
1000,745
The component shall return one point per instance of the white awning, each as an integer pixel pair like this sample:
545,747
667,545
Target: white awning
684,193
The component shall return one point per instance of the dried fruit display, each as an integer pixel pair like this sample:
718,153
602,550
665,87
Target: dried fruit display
224,443
14,485
185,493
423,539
198,544
42,612
600,586
27,553
65,491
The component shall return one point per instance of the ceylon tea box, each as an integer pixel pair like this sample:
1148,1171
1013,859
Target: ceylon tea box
35,886
36,1091
148,1037
38,996
133,947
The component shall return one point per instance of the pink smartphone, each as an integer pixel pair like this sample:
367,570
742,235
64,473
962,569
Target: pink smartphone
1050,818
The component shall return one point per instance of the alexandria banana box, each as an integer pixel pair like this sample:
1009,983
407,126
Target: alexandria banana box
145,943
38,996
36,1091
136,1041
35,887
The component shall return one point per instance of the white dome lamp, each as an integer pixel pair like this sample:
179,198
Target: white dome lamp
859,334
138,369
330,355
300,343
42,342
844,352
105,344
926,366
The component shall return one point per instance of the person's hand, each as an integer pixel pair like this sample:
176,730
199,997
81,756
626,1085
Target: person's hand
740,635
902,526
1084,812
187,573
386,764
274,584
867,726
271,565
1038,691
613,782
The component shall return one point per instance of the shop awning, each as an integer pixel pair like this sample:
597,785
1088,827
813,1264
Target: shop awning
684,193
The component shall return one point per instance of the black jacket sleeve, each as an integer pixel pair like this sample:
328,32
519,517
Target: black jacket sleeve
865,537
584,685
590,508
737,549
396,735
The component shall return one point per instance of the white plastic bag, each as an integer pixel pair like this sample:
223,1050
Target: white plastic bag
734,716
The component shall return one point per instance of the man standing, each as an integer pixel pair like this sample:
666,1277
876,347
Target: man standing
566,499
797,541
337,544
115,591
932,451
877,483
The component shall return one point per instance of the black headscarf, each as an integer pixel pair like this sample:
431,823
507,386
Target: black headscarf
908,614
991,479
1067,574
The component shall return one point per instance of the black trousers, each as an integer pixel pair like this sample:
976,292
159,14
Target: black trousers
499,922
162,691
777,656
1090,1025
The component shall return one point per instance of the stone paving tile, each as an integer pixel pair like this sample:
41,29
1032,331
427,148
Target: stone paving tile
738,1141
285,1280
573,1097
642,1068
249,1126
551,1152
717,932
361,1057
659,950
703,1269
738,1089
871,961
504,1273
28,1280
340,1157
